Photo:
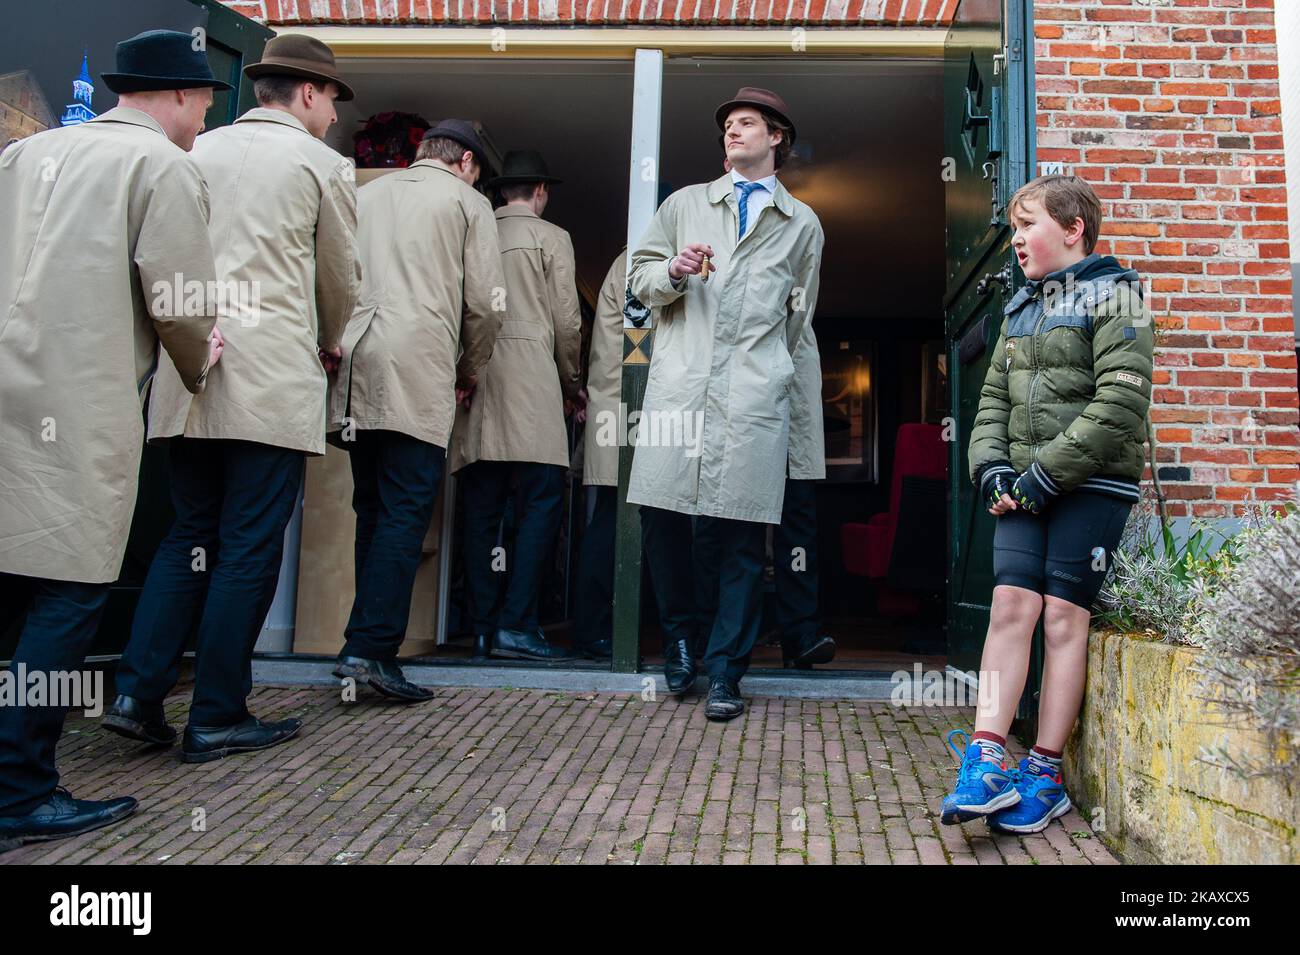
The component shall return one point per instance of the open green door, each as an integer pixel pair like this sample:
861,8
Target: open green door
988,146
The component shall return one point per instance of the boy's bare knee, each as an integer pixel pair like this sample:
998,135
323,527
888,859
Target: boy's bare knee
1064,623
1015,606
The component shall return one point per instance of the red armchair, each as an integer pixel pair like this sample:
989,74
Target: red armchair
868,548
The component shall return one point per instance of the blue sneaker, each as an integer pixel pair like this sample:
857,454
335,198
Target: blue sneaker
1042,799
982,786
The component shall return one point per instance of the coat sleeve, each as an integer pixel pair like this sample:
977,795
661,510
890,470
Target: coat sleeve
485,290
338,265
648,269
807,447
1122,345
989,443
566,317
173,241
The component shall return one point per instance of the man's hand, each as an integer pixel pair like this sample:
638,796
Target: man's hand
465,390
580,406
216,345
689,260
331,359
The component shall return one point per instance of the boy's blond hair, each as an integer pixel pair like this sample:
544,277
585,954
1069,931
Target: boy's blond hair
1065,198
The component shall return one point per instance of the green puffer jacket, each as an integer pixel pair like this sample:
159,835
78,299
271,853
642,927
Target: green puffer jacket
1069,383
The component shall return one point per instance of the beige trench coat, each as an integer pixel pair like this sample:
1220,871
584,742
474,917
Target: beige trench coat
94,216
432,284
807,454
517,412
605,380
715,434
284,231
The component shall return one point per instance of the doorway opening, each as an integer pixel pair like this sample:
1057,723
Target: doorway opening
868,162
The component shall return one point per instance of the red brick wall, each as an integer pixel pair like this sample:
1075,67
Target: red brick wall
1171,109
639,12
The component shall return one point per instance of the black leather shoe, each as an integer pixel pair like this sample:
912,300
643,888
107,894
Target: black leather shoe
679,666
133,719
482,646
810,650
516,645
61,816
202,744
597,649
385,676
724,700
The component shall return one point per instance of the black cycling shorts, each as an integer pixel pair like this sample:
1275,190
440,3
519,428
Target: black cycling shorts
1063,552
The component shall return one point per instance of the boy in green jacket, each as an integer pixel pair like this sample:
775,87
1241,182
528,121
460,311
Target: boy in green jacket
1057,453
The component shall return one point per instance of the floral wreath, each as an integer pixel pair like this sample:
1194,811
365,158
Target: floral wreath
388,140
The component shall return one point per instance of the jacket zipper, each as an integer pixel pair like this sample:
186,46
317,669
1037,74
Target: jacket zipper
1033,382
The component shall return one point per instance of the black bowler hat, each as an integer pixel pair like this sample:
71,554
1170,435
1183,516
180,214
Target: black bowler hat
161,60
461,131
523,166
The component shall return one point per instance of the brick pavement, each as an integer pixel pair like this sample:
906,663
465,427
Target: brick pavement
502,775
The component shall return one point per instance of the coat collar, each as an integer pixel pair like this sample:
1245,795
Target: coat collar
134,117
260,114
509,211
723,188
430,164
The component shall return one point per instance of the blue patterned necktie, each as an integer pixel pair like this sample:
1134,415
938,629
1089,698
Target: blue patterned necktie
745,189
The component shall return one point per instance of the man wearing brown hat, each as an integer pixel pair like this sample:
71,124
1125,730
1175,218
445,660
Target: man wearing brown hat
101,220
432,288
734,266
514,426
283,230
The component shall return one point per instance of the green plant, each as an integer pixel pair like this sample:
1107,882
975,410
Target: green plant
1154,575
1247,622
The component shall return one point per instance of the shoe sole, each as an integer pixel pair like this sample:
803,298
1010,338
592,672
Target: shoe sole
225,751
1060,809
132,729
962,814
344,673
718,717
824,652
517,655
13,842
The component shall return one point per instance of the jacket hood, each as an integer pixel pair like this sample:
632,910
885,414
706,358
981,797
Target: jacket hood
1094,277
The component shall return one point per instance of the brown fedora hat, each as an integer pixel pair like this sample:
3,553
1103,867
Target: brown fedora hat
764,100
293,54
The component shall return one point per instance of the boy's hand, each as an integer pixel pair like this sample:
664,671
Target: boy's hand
1002,505
995,486
1034,490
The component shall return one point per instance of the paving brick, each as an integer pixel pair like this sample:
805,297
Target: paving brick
517,776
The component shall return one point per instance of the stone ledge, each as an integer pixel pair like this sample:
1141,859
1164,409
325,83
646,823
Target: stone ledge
1133,756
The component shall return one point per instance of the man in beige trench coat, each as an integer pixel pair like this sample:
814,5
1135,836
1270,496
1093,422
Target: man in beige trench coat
593,626
283,230
794,543
514,426
432,285
733,265
102,220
